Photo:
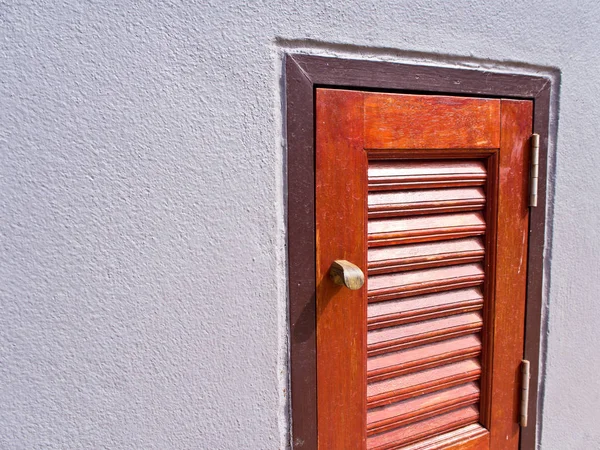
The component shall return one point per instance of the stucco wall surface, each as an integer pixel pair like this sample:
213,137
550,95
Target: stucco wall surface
142,231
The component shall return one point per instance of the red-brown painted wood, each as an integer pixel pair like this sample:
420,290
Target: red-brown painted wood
407,386
423,307
511,273
422,256
488,288
424,357
424,406
415,121
303,74
396,284
415,432
408,203
416,282
419,333
341,205
426,230
471,437
387,175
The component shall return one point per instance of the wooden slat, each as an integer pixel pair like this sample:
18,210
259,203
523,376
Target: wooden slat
422,407
425,201
424,429
423,357
419,333
420,256
402,121
407,386
416,282
423,307
425,229
470,437
426,268
390,175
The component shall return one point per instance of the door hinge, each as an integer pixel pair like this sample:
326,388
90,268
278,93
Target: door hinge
525,376
534,171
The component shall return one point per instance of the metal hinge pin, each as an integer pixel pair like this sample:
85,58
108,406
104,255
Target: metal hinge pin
525,377
535,167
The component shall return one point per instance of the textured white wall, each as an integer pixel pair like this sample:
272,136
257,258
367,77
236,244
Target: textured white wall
142,273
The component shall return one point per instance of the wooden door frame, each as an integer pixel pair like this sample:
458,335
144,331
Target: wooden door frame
303,74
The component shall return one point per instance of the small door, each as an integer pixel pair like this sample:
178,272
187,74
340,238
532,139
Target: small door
427,196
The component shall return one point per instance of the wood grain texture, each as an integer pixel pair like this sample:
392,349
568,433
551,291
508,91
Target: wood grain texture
424,314
488,289
419,282
535,270
511,270
392,76
426,201
302,73
441,154
422,256
301,253
419,333
423,357
341,187
471,437
388,175
408,386
425,229
414,432
412,410
423,307
401,121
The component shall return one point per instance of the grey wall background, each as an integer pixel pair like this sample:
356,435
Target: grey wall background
142,276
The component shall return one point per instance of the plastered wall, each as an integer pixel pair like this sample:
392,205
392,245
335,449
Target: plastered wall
142,228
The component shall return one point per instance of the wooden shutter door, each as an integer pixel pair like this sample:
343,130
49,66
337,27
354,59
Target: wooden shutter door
427,196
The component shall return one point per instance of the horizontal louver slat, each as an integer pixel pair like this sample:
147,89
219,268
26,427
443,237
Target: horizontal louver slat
422,256
389,175
402,413
470,437
398,388
406,284
424,228
406,203
423,357
419,333
423,307
425,298
414,432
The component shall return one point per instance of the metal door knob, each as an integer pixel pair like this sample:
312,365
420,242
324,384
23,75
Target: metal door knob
344,273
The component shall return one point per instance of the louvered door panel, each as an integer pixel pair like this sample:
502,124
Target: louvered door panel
426,273
426,196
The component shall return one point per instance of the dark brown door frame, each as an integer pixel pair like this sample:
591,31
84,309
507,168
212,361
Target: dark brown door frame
303,74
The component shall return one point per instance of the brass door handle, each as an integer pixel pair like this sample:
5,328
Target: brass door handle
344,273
